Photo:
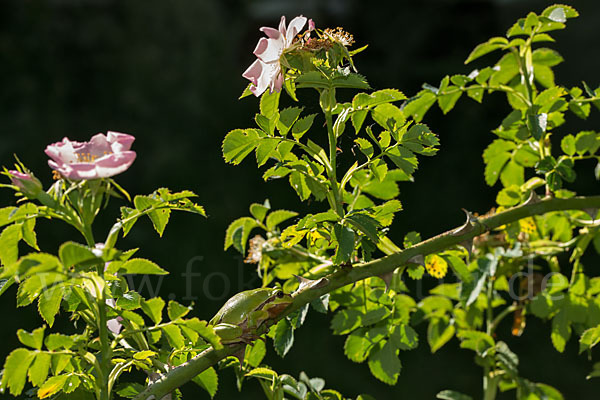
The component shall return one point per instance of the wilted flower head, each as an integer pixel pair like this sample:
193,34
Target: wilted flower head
255,250
102,157
265,72
339,35
29,185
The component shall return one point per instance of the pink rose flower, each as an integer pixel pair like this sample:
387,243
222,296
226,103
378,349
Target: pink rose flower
265,72
101,157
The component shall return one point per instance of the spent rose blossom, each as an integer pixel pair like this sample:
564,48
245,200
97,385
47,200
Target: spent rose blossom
265,72
102,157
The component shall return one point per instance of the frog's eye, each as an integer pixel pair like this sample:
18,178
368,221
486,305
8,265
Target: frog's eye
279,294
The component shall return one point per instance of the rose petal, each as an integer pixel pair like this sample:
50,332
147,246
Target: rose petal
253,72
271,32
114,325
282,25
277,84
294,28
120,141
114,164
269,52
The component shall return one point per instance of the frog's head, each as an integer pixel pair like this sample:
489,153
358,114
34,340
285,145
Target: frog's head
276,302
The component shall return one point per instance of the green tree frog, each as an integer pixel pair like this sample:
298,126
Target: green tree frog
241,317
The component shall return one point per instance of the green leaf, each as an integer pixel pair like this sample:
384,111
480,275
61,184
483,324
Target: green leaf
564,167
512,174
477,341
49,303
59,362
129,390
34,339
365,224
448,101
504,70
589,339
259,211
298,183
568,145
411,239
56,341
487,47
29,235
403,158
452,395
405,337
208,380
284,337
205,331
561,330
496,155
415,271
52,386
388,116
345,321
136,266
345,238
364,100
476,94
278,216
39,369
265,149
321,304
33,263
129,301
547,57
32,287
176,310
255,353
174,336
238,232
144,354
365,147
287,117
5,284
159,217
417,106
269,104
263,373
384,364
9,241
153,308
238,144
357,346
439,332
350,81
536,124
302,126
509,196
586,141
358,118
374,316
71,254
459,267
560,10
15,370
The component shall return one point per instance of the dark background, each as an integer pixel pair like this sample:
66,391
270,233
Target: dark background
169,72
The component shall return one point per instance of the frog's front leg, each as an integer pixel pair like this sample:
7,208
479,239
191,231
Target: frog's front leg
228,332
